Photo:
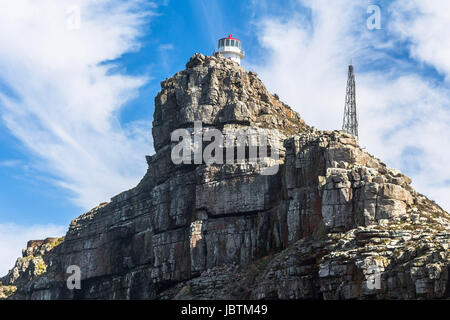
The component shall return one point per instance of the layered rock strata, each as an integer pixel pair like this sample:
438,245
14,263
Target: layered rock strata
333,222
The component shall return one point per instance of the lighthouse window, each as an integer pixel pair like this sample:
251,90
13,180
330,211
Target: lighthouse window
232,43
227,42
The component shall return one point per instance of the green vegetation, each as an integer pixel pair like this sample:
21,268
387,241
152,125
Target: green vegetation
58,242
41,267
6,291
9,290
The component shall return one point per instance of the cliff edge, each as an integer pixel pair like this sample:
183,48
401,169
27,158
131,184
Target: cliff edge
333,222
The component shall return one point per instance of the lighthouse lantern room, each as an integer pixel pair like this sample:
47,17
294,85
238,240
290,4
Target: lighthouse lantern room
231,48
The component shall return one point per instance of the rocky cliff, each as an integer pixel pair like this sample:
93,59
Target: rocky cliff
332,223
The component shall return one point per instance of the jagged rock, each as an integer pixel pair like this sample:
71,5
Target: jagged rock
332,223
6,291
218,91
34,262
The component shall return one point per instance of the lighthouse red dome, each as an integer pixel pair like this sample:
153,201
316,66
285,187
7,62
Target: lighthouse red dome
230,36
230,42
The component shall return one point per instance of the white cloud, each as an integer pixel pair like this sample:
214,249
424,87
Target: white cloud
10,163
63,103
425,24
399,109
210,12
165,47
13,238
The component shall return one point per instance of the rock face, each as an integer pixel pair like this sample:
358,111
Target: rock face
32,264
332,223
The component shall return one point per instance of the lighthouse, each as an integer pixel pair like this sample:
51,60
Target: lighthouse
231,48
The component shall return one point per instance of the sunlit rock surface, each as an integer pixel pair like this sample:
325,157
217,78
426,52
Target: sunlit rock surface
332,223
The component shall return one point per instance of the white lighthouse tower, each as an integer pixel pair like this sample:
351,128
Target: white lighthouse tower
231,48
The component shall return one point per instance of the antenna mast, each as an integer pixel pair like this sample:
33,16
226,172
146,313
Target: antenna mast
350,123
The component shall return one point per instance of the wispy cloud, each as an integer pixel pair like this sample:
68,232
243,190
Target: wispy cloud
10,163
13,238
210,13
425,25
165,47
404,112
63,100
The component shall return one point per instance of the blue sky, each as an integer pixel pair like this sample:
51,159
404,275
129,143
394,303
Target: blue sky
76,101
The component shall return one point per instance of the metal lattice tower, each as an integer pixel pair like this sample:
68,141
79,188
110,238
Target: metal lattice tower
350,123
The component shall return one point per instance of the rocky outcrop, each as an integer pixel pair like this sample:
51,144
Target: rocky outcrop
32,264
332,222
354,229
